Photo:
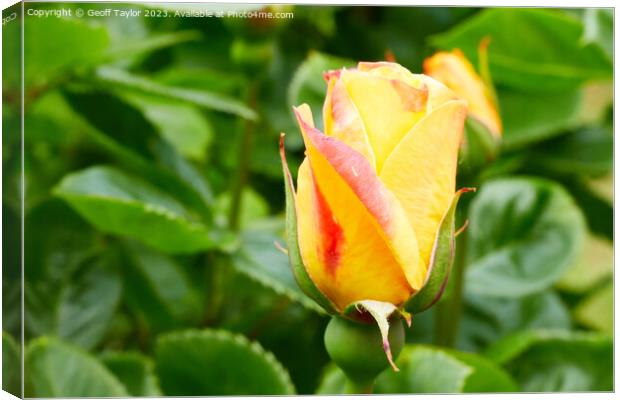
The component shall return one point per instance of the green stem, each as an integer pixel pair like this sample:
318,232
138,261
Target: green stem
216,276
245,151
352,387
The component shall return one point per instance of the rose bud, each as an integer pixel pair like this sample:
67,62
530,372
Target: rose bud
370,228
456,72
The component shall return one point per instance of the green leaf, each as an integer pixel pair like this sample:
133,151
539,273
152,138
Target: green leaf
299,269
440,374
599,29
202,98
523,234
594,265
260,259
202,78
596,311
137,46
586,151
253,207
190,176
542,50
557,361
129,129
548,115
57,46
11,366
56,369
218,363
121,204
308,85
486,376
182,125
428,369
72,288
78,45
441,262
595,198
132,139
59,241
87,304
161,291
485,319
135,371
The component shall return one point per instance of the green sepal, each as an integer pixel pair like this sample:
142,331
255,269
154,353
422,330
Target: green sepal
441,262
480,147
299,269
381,312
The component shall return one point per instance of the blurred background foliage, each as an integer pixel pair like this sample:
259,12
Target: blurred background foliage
154,201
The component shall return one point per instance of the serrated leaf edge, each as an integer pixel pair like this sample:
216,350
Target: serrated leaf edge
44,341
280,289
146,208
149,363
239,340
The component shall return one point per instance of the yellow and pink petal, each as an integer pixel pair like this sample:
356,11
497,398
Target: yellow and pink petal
343,121
421,171
372,252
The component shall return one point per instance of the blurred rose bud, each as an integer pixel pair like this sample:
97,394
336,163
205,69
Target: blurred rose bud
457,73
373,214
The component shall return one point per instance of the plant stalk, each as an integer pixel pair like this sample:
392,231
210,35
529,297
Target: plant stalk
245,151
216,277
352,387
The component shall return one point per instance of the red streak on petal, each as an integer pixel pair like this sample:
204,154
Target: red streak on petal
332,235
356,171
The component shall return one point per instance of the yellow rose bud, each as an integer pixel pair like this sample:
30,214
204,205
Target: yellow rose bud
375,186
457,73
